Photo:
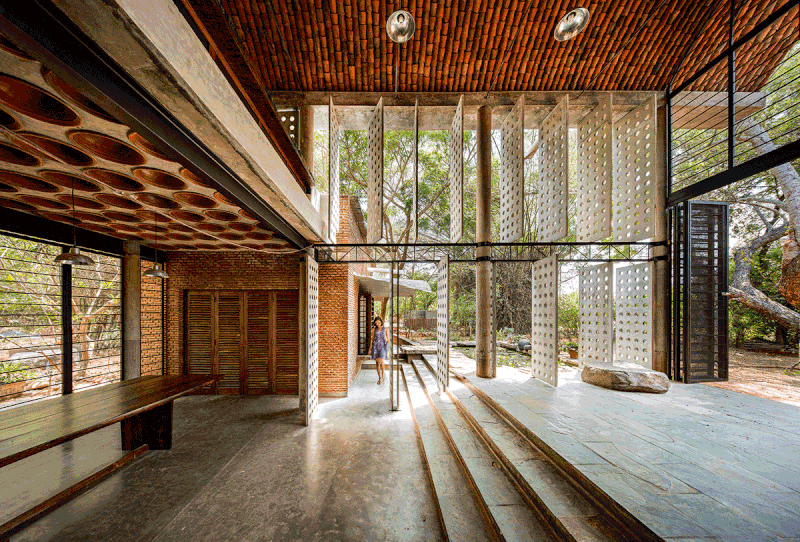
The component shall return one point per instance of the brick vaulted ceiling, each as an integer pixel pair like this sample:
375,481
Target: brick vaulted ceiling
328,45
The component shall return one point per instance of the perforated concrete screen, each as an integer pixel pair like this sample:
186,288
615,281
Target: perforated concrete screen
634,305
375,175
595,310
595,174
512,174
415,198
551,213
544,320
443,325
457,174
333,172
634,174
312,341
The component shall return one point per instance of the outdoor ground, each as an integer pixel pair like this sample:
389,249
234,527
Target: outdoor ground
764,375
755,373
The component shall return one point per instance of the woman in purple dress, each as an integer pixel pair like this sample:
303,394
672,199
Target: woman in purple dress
379,346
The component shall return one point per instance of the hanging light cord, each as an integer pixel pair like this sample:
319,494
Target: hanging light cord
74,227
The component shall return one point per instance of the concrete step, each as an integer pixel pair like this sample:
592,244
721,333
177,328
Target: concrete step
506,513
541,483
460,513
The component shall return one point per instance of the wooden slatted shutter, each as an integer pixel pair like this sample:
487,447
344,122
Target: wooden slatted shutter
287,345
259,349
199,342
229,341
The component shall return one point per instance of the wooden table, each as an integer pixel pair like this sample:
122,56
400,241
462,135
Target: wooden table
142,405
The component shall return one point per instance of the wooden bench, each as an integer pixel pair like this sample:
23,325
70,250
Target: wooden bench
142,405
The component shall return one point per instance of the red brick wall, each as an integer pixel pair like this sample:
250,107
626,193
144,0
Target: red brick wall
236,270
338,298
151,328
338,324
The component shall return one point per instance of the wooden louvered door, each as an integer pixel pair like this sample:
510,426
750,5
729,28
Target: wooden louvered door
229,350
249,337
259,369
287,344
199,341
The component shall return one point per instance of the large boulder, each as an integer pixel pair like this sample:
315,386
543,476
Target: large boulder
625,376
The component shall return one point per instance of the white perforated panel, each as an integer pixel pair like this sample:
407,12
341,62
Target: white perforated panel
512,173
375,175
544,321
457,174
312,337
443,325
634,174
634,305
551,213
415,197
595,167
596,313
333,172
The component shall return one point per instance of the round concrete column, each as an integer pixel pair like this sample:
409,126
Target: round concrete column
483,232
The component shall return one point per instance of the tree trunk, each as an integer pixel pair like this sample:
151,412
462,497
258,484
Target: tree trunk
743,291
789,180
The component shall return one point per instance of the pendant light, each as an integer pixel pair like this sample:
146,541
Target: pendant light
156,271
74,256
571,24
400,26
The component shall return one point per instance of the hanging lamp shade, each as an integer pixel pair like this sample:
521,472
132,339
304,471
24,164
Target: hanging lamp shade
156,272
74,256
400,26
571,24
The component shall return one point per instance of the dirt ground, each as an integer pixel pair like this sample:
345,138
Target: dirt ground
762,374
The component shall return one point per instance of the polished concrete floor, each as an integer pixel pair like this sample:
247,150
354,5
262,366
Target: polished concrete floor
243,468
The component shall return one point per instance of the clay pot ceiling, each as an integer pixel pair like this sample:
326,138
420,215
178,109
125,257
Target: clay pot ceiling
53,138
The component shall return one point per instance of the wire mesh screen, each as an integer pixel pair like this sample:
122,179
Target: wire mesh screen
700,128
30,321
512,174
742,105
96,322
768,105
152,323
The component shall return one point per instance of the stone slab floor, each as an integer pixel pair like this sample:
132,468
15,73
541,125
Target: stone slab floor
244,468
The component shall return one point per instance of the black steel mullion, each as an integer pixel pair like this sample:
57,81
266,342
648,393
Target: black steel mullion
731,85
66,328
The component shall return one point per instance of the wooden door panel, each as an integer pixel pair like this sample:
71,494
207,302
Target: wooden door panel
198,332
250,337
287,362
258,342
229,342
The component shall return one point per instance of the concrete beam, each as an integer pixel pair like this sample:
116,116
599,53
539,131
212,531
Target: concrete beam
156,47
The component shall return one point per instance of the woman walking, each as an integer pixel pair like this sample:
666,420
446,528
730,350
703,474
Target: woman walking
379,346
